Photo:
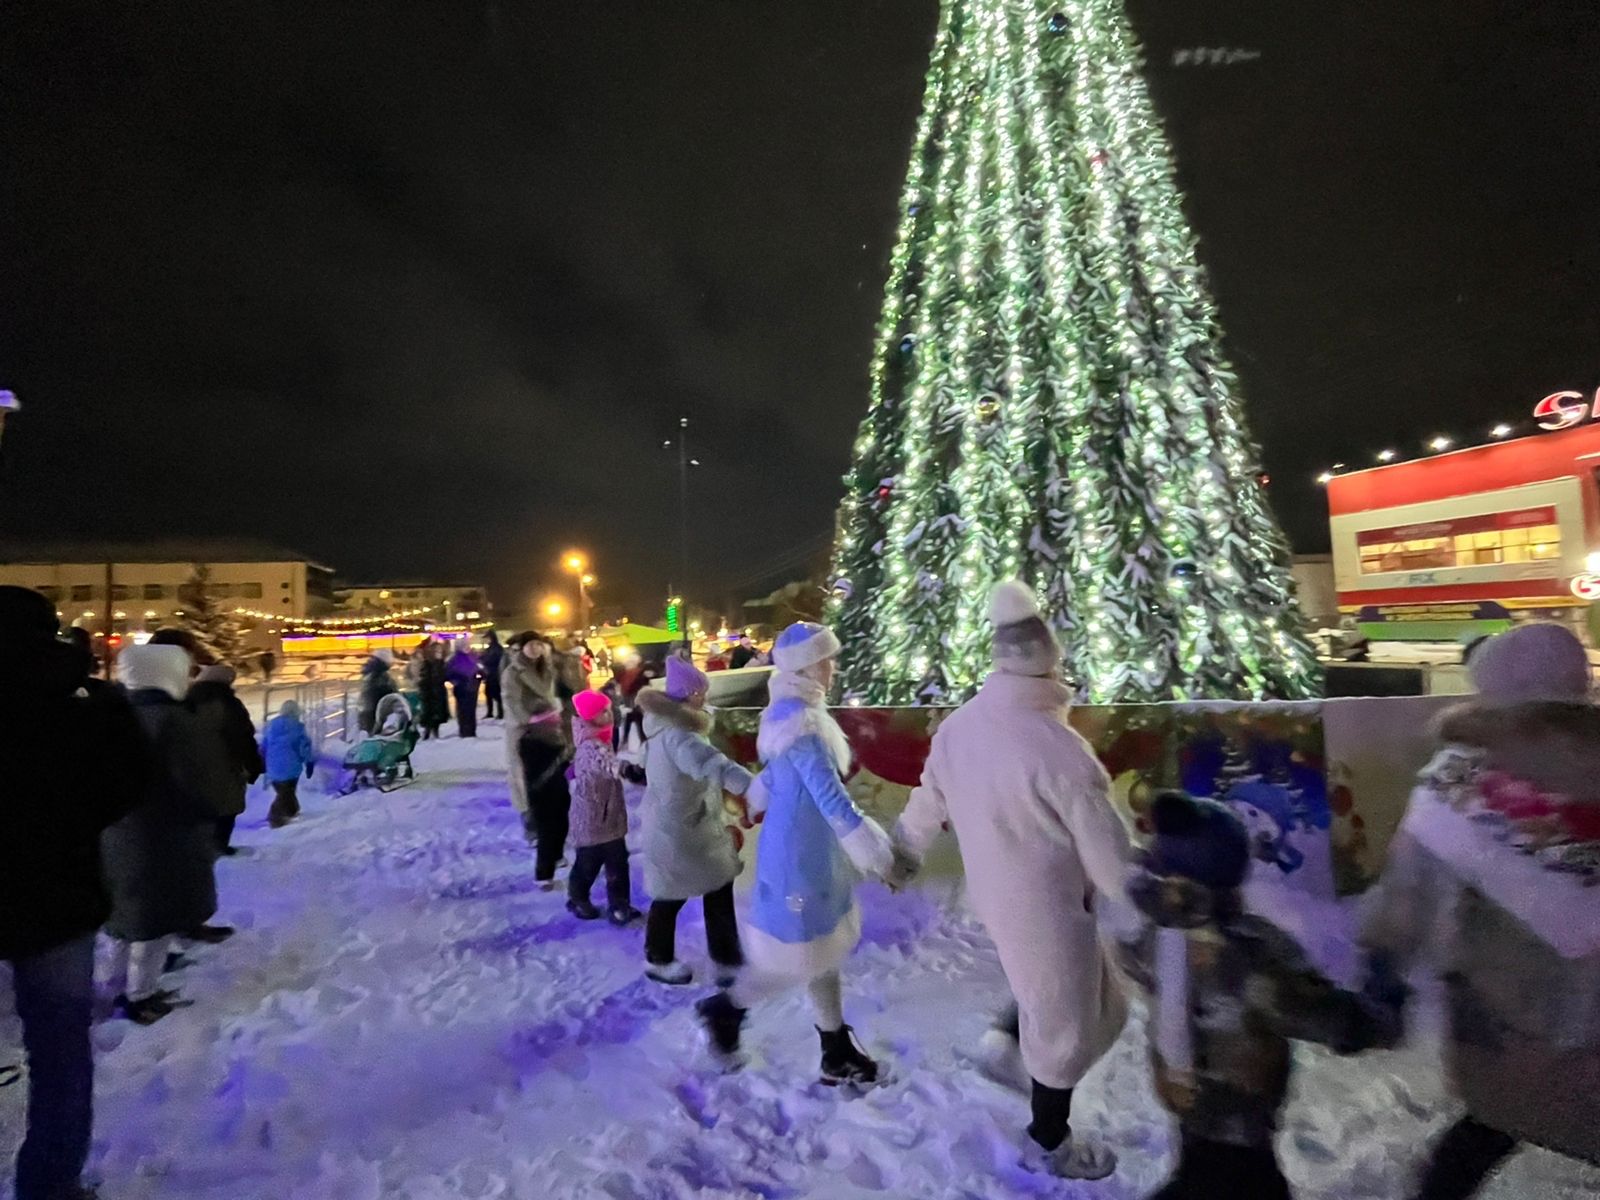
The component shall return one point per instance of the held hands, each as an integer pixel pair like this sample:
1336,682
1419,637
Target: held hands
902,870
738,807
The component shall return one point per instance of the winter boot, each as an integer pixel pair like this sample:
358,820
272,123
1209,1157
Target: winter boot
621,917
844,1061
674,973
583,910
210,934
1079,1157
722,1020
176,960
999,1058
145,1011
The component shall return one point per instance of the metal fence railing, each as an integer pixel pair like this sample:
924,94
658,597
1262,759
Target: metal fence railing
325,707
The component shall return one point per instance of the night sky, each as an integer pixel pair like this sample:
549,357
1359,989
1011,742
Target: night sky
420,288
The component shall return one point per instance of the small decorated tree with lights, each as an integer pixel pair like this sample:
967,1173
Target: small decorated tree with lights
1049,396
208,620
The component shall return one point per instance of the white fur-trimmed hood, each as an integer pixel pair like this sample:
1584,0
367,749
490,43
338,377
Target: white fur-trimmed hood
796,711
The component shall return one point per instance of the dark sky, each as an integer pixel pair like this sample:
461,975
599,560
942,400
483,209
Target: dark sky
420,288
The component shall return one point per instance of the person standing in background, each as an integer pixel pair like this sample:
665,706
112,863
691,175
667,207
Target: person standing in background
225,718
432,684
492,661
462,670
528,682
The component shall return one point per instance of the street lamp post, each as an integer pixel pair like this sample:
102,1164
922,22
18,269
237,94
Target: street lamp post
576,563
684,463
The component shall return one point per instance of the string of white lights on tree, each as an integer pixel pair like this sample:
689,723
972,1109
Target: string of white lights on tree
1049,398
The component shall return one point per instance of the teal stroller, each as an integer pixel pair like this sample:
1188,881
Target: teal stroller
379,760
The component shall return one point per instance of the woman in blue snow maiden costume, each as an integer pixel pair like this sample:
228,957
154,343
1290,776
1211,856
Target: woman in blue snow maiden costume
803,920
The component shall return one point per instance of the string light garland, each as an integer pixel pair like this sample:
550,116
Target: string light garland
334,622
1049,397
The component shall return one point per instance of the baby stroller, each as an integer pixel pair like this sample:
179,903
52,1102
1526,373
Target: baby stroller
378,760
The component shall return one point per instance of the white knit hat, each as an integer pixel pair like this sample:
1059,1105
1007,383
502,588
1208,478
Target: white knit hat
802,645
1537,661
165,668
1023,643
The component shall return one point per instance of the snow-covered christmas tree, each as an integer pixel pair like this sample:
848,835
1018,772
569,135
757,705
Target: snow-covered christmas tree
210,621
1049,395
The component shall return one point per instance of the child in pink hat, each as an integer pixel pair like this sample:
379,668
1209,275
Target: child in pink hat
599,815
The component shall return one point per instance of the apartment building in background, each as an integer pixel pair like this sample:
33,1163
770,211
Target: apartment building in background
143,586
443,602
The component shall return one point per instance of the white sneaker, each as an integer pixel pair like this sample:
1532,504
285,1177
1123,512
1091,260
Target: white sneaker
999,1059
1079,1157
674,973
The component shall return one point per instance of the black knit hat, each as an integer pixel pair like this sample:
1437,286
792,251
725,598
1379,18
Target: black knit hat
1200,840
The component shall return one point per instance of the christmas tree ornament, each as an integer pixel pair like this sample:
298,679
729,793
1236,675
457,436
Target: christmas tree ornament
1078,426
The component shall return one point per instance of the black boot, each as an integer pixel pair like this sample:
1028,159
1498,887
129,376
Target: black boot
583,910
722,1019
844,1061
148,1010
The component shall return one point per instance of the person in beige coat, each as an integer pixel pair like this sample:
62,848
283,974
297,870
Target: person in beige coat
1031,808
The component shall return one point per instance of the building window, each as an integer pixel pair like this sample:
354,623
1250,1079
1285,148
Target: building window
249,591
121,591
1533,543
82,592
155,591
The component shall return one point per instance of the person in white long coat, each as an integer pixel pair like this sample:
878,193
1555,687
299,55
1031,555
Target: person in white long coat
1041,842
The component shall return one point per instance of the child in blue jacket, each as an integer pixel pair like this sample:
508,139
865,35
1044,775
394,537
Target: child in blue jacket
288,751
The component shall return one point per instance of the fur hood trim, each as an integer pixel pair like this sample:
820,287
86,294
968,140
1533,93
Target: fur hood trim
797,711
1551,744
663,709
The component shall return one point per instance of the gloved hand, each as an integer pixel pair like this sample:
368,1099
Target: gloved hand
904,868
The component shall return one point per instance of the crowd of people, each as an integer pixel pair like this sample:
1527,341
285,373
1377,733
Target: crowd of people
124,797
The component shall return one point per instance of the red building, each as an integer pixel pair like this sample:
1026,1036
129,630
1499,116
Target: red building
1472,540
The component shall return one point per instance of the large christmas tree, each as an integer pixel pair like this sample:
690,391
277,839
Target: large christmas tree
1049,396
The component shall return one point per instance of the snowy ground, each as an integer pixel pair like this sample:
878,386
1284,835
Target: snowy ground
404,1015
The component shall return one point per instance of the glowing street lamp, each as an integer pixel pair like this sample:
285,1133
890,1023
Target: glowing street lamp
576,562
554,609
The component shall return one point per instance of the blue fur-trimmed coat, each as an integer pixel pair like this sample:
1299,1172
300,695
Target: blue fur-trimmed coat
815,842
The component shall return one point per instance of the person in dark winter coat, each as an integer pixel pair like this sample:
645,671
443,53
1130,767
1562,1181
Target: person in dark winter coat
224,717
268,663
287,750
462,668
160,858
543,749
599,815
491,662
376,683
528,679
432,683
73,761
1228,992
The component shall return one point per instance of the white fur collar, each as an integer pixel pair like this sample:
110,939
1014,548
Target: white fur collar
795,711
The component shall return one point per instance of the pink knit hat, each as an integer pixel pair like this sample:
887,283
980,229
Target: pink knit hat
684,678
591,706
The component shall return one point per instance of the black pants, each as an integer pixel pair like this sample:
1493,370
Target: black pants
466,708
285,801
613,856
55,999
722,929
1209,1170
1463,1159
550,805
1052,1115
225,832
493,705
